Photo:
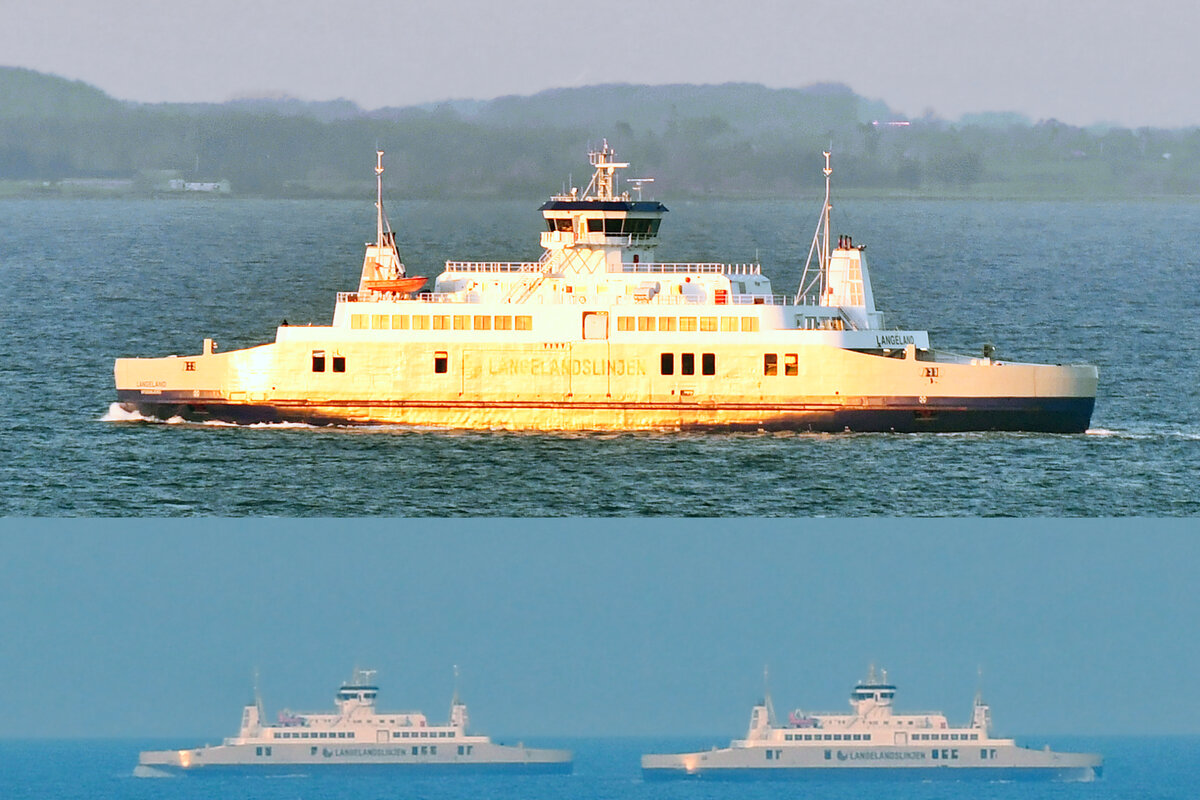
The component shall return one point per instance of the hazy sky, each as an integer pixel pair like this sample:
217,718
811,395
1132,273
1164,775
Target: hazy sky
586,627
1081,61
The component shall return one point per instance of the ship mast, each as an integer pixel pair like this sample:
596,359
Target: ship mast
825,220
820,244
379,222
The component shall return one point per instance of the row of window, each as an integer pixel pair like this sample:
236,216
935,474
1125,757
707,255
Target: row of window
318,362
687,363
688,324
441,322
827,737
313,735
424,734
944,737
791,364
866,737
639,226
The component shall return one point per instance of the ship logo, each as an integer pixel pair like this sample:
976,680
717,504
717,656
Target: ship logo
325,751
842,755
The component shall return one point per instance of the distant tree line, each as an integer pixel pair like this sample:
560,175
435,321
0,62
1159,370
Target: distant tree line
736,140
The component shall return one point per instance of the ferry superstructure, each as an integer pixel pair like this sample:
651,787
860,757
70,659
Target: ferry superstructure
873,742
357,735
598,335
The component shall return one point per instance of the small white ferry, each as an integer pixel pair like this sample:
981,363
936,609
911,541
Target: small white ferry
873,742
598,335
357,735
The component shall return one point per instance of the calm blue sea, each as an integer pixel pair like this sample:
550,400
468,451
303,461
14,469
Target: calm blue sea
1114,284
605,769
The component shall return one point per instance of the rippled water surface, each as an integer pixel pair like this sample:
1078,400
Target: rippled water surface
605,769
1114,284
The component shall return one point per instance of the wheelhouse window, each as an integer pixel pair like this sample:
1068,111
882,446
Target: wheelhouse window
318,360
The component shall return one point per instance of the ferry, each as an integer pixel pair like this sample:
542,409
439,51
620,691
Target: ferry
356,735
873,742
599,335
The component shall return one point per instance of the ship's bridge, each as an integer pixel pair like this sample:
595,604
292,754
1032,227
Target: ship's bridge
602,221
619,222
360,690
873,696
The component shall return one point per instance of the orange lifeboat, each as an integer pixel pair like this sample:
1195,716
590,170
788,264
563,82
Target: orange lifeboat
398,285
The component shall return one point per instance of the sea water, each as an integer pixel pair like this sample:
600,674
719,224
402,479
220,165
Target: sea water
1111,284
605,769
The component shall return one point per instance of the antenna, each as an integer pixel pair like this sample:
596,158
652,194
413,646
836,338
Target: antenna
637,184
454,700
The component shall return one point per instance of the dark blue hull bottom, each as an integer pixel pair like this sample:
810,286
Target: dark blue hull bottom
891,774
559,768
876,415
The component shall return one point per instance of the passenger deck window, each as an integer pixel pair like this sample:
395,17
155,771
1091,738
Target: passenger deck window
441,362
791,364
708,364
687,364
668,363
318,361
339,363
770,364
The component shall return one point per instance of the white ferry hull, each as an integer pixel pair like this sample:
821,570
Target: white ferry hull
580,386
876,763
288,758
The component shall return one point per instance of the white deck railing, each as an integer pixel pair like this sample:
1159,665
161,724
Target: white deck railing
721,269
494,266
